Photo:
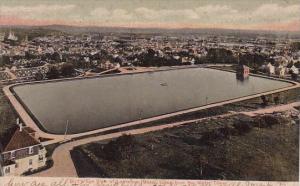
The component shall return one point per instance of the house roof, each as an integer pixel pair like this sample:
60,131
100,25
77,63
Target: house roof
20,139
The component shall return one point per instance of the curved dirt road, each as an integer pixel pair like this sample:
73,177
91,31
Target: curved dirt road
64,166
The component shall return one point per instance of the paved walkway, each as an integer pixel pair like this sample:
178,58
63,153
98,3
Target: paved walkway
64,166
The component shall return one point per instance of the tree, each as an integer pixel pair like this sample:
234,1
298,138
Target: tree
295,46
253,60
264,100
294,76
53,73
38,76
220,55
67,69
4,60
56,57
276,100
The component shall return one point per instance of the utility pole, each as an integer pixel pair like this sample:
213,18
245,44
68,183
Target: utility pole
141,115
66,130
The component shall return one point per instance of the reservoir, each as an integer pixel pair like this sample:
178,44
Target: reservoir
95,103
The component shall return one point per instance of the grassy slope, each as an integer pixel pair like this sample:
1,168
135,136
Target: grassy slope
7,116
213,149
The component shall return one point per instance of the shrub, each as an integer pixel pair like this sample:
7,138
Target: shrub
120,148
243,127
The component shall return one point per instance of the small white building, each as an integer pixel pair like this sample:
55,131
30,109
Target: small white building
22,153
294,70
280,71
270,68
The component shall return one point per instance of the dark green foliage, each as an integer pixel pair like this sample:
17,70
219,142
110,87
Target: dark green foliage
295,46
243,126
266,121
53,73
253,60
220,55
119,149
67,69
38,76
181,152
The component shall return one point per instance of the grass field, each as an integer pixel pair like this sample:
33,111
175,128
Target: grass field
233,148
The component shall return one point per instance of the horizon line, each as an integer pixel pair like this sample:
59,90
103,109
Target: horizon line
149,27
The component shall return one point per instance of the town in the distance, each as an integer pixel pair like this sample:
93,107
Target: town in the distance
149,103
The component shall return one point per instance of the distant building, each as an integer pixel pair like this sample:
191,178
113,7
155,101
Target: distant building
280,71
270,68
294,70
22,153
12,37
242,71
2,36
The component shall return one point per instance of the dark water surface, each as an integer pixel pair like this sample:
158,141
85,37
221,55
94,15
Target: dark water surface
95,103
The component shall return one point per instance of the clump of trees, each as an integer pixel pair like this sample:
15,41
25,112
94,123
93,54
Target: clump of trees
39,76
53,73
220,55
223,56
66,70
271,99
150,58
295,46
4,60
253,60
266,121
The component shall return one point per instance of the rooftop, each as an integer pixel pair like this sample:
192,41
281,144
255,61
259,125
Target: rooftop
20,139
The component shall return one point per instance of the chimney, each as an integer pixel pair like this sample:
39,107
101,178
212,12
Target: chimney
21,127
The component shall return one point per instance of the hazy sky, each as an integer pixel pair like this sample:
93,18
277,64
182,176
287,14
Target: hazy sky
236,14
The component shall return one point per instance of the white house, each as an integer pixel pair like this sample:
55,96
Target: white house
22,153
294,70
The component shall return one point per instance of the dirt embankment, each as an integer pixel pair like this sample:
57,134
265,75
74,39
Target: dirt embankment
235,148
7,119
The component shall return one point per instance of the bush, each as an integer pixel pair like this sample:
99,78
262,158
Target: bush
67,69
53,73
266,121
243,127
120,148
217,134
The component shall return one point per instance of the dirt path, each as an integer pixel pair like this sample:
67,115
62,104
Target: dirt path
272,109
64,166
